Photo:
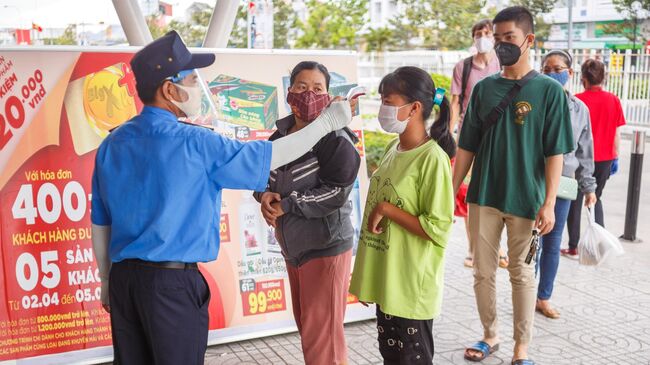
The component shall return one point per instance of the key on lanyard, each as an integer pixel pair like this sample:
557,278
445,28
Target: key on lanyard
534,247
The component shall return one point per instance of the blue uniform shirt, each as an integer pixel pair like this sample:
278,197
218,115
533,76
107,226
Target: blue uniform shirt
158,182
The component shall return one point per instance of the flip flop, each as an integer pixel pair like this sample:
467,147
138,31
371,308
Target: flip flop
469,262
483,348
523,362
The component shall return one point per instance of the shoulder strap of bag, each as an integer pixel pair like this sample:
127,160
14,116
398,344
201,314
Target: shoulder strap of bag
467,67
494,114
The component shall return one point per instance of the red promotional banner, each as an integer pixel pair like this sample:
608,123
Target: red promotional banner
51,282
55,110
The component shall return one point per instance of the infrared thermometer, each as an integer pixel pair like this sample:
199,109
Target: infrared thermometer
355,92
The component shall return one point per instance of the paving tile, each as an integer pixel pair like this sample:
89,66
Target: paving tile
605,319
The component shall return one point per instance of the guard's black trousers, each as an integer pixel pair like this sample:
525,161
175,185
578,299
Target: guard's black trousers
404,341
159,315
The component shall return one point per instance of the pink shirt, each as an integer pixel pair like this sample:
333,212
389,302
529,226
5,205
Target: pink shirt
475,75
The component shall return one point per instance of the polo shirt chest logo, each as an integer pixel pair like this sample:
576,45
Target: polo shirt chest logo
522,108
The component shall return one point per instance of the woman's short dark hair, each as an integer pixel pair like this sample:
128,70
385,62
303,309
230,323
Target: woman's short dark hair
593,71
310,65
415,84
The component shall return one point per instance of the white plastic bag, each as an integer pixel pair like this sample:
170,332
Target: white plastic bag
597,244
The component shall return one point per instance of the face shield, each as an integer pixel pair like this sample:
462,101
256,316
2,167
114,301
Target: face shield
196,101
202,104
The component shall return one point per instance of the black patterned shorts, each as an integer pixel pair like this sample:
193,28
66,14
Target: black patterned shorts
404,341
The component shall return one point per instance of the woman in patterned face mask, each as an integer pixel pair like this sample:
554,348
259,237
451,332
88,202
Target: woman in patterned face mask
306,202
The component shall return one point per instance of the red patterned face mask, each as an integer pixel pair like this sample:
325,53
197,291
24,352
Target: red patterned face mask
307,105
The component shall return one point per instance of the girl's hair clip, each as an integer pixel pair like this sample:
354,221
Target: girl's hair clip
438,96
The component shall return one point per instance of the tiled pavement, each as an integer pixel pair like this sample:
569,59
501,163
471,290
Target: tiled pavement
605,311
605,320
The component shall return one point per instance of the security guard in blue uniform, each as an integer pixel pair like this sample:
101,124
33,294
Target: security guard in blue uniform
156,199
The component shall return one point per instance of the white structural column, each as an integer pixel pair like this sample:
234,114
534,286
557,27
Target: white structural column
133,22
221,23
570,30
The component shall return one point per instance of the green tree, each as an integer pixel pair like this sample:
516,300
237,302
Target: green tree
332,24
239,34
634,12
435,24
193,31
375,145
284,21
459,17
538,8
377,39
442,81
156,30
69,37
415,23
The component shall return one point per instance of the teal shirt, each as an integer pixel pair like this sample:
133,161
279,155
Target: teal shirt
402,272
508,172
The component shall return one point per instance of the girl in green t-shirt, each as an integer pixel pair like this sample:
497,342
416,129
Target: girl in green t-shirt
400,261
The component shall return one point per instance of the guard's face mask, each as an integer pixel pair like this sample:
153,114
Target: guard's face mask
191,92
192,104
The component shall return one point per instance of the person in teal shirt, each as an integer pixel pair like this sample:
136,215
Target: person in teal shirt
408,216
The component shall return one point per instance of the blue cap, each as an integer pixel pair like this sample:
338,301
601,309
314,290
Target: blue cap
165,57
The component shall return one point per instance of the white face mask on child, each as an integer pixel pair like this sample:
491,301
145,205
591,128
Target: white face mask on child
388,119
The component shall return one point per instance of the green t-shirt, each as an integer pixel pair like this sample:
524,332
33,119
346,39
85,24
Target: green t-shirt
396,269
508,172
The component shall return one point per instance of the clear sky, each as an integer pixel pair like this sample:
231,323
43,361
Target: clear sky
60,13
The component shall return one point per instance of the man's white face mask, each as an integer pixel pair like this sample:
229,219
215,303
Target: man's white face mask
194,94
484,44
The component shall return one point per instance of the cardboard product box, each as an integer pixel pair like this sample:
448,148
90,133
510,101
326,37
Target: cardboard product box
244,102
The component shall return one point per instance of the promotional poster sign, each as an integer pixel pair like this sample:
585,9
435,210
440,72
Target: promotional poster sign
56,107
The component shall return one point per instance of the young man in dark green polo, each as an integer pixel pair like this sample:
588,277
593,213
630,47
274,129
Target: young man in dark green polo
517,167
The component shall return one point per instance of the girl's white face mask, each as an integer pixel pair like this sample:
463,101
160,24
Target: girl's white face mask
388,119
192,106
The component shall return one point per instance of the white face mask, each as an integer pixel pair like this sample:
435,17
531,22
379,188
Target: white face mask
484,44
388,119
192,106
